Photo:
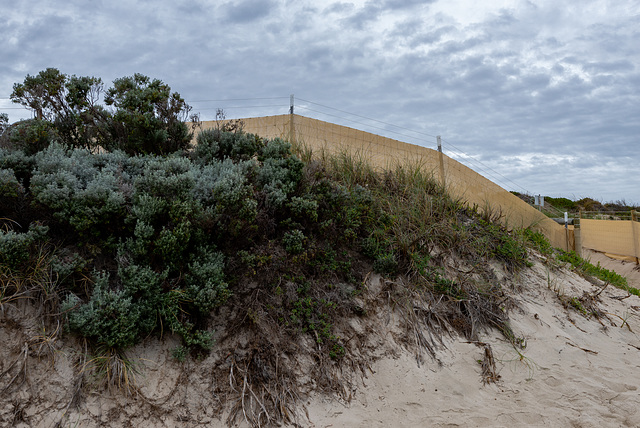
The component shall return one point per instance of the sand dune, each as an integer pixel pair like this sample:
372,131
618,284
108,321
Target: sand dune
573,371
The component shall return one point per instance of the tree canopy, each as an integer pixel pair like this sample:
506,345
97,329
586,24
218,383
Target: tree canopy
139,115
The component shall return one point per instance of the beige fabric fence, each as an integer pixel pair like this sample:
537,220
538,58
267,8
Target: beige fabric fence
621,237
460,181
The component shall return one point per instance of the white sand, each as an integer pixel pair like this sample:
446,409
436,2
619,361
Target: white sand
573,372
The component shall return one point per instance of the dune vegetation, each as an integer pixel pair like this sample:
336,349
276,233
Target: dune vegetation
114,229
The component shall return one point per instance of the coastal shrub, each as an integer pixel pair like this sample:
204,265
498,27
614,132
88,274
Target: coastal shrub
293,241
70,183
10,187
20,163
280,173
15,247
32,135
109,317
205,284
215,144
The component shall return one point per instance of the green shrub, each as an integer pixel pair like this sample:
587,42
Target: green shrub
71,183
20,163
10,187
293,241
386,264
215,144
110,317
32,135
15,247
281,172
205,284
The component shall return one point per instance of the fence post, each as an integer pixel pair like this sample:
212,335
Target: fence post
634,220
441,161
292,130
577,237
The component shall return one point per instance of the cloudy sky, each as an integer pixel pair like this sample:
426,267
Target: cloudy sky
541,96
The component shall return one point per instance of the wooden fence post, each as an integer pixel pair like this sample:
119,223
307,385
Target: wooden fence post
577,237
634,228
292,129
441,162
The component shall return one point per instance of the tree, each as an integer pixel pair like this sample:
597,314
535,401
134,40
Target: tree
146,117
149,118
43,93
70,103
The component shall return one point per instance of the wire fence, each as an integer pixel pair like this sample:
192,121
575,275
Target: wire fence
235,108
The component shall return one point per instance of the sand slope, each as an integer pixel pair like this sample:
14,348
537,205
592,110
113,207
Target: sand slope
573,371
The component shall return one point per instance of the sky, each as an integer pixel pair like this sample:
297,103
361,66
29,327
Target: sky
540,96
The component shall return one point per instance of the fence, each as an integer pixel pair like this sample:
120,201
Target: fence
612,233
460,181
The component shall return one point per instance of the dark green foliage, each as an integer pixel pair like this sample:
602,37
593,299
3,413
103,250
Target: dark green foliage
110,317
148,119
386,264
67,103
293,241
206,287
20,163
281,172
9,185
561,203
31,136
15,247
215,144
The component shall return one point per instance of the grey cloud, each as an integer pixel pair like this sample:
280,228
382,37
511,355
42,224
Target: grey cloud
403,4
339,7
609,67
247,10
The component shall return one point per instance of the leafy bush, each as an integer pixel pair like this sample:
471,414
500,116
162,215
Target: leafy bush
215,144
20,163
79,193
9,185
294,241
15,247
205,285
148,119
109,317
281,172
32,135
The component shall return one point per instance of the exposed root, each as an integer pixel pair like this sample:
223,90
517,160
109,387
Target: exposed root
266,395
21,374
114,369
489,372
